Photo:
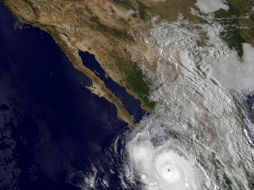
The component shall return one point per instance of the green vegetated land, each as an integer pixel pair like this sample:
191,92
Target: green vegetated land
238,22
136,83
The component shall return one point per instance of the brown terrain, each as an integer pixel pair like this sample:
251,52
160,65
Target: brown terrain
113,30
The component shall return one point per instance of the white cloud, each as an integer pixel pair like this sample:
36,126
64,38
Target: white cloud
200,113
234,73
209,6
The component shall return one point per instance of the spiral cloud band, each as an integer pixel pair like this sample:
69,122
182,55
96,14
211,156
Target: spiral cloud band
162,167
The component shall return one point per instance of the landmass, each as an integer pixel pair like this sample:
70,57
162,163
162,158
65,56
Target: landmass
115,32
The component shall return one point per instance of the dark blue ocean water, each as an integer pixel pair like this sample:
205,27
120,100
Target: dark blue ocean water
131,104
246,103
50,126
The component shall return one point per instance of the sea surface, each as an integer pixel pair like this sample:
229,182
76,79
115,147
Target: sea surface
51,127
132,105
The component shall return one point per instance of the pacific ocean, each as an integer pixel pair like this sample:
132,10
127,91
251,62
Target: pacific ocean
50,126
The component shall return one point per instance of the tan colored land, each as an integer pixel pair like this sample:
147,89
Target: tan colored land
111,30
115,32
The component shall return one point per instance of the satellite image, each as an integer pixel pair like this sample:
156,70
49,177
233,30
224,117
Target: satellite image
126,94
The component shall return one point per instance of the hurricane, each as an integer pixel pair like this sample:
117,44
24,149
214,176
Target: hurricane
164,167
